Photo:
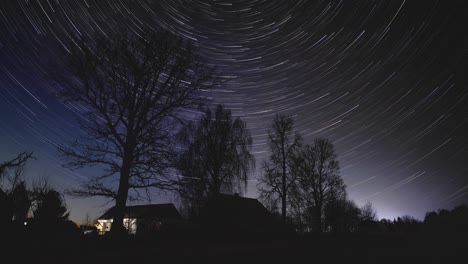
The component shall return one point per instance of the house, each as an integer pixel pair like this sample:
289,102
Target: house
238,215
142,219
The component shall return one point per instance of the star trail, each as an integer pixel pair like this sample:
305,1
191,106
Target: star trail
386,81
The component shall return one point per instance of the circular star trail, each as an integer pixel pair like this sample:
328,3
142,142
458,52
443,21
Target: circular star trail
384,80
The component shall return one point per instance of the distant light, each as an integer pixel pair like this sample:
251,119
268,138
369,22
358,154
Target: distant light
25,223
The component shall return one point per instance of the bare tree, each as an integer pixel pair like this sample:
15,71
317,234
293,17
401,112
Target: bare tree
218,156
131,91
318,183
40,187
15,165
368,212
277,179
87,220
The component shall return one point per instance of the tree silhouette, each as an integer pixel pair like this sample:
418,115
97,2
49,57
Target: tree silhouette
368,218
14,197
447,221
368,213
16,163
50,206
340,215
407,224
4,207
318,182
20,202
277,178
131,91
217,158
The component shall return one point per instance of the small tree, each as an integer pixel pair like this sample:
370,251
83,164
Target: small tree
368,219
217,158
87,220
20,202
4,211
277,179
14,197
50,206
340,215
368,213
131,90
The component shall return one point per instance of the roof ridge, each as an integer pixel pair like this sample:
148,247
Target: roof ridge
238,196
148,204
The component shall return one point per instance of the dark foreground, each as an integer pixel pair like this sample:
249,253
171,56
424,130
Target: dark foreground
350,248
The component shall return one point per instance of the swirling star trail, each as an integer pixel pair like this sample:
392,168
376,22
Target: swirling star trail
386,81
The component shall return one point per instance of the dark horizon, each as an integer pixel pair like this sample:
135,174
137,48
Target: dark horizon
385,81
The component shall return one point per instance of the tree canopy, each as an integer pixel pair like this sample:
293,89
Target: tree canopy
131,90
318,180
277,179
217,158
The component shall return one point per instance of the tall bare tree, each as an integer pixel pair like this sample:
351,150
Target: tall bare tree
277,179
217,157
131,90
318,180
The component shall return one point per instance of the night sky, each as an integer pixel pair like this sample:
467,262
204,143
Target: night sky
386,81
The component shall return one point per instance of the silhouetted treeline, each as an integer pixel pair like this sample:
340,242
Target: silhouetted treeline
455,220
38,210
302,183
441,221
404,224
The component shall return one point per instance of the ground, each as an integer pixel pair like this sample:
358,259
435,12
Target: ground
351,248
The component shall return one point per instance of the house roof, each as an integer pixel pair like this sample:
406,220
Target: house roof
237,205
235,211
146,211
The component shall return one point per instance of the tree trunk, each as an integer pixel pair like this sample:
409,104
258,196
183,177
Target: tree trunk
118,228
318,217
283,187
283,197
216,190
